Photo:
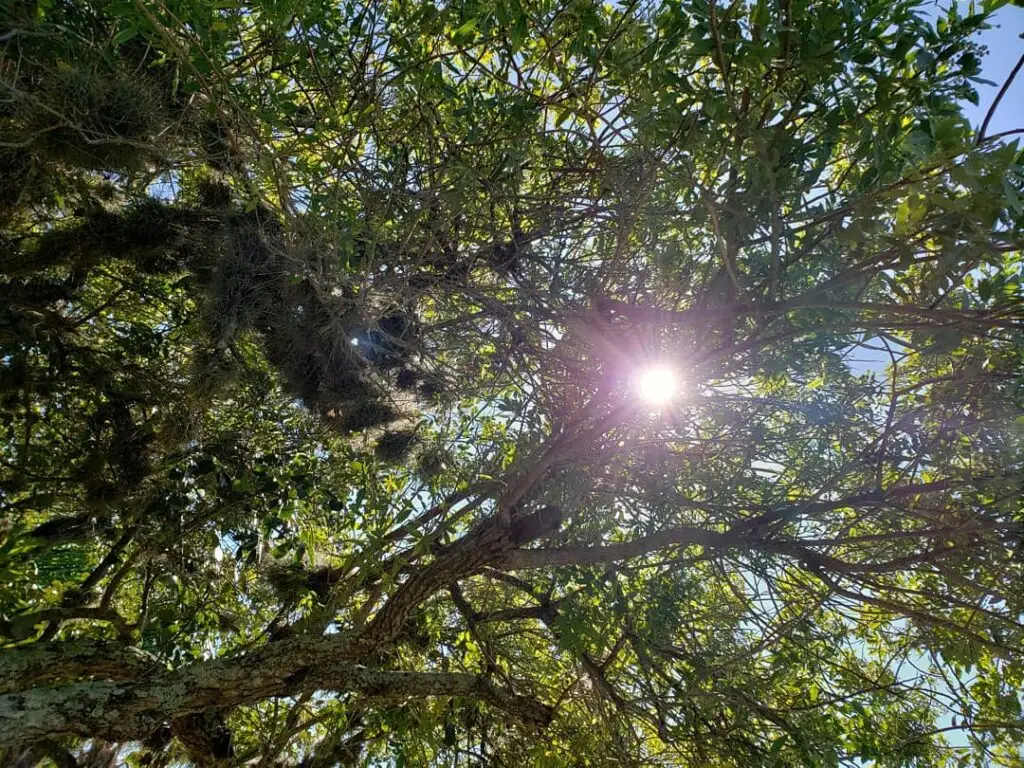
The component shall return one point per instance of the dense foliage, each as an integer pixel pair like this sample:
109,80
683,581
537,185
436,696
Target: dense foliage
320,326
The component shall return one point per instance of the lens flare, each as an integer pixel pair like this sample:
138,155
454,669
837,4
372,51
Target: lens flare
657,385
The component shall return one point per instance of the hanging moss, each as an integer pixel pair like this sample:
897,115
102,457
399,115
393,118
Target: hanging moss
34,293
118,461
367,414
243,278
394,446
219,145
407,379
157,238
211,370
503,257
288,581
257,282
214,195
432,386
431,463
397,324
346,385
303,377
306,323
95,119
291,581
15,179
391,343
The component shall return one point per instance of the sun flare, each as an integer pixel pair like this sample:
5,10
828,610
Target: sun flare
657,385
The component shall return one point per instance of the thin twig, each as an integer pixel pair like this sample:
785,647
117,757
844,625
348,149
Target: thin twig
999,97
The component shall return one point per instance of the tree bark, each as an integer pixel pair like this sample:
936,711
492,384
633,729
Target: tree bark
132,709
47,663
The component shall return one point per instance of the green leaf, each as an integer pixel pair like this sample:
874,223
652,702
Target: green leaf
519,32
466,33
1013,196
124,35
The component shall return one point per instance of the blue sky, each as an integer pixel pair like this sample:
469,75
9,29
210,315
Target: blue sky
1004,49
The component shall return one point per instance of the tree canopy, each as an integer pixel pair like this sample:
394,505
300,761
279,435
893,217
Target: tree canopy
321,331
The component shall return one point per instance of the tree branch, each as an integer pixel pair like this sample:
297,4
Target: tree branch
523,559
45,663
131,710
999,97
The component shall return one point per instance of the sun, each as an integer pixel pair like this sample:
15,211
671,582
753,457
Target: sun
657,385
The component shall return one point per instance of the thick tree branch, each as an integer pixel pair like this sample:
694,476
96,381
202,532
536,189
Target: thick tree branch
45,663
131,710
464,558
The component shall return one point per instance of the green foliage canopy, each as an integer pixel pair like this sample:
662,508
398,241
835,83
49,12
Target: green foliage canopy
319,332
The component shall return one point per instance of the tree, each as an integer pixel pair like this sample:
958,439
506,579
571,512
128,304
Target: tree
319,346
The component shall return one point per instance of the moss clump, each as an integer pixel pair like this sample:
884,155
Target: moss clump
15,178
95,120
259,283
407,379
292,580
431,463
307,319
367,414
394,446
390,344
157,238
432,386
218,142
214,195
